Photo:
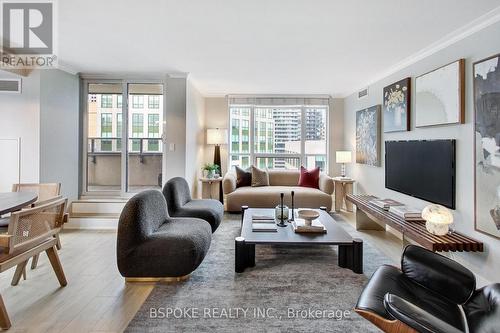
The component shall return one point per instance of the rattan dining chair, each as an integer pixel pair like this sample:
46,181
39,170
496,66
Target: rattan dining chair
46,192
30,232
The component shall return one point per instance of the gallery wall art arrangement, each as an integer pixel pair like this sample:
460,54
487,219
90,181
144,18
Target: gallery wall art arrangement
440,96
396,106
368,136
487,145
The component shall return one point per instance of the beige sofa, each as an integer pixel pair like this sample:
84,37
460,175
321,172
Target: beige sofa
280,181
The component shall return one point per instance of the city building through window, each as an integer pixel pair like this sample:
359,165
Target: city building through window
278,137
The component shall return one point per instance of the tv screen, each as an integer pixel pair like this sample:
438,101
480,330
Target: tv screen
422,169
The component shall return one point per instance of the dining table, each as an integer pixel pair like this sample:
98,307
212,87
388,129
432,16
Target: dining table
14,201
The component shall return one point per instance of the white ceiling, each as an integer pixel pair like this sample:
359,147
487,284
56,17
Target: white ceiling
260,46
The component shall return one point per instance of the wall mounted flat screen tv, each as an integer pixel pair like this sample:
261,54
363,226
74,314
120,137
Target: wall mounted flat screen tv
422,169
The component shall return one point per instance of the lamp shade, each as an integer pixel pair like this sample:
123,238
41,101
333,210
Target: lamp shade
438,219
216,136
343,156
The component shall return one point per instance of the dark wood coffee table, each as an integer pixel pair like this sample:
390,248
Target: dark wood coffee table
350,249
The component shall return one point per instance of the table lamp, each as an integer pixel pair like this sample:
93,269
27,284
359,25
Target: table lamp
438,219
343,156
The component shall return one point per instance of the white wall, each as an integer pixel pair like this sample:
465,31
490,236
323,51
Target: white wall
336,134
20,117
175,104
216,116
195,138
371,179
59,131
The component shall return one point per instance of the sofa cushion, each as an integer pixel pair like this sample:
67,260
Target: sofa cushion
284,177
309,178
483,309
269,197
243,177
259,177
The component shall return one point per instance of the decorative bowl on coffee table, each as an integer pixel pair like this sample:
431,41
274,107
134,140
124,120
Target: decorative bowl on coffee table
308,215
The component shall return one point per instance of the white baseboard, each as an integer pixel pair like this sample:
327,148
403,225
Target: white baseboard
93,223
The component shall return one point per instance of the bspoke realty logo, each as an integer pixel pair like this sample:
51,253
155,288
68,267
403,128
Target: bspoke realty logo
28,35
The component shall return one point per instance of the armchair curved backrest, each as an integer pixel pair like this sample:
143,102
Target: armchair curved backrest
177,194
142,215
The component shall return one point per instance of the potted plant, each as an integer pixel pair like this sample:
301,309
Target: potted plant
211,169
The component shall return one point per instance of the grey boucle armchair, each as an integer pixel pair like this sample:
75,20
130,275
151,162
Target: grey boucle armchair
151,244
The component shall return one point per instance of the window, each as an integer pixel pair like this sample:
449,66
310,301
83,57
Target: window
240,136
137,101
283,137
118,131
154,102
119,99
235,135
106,131
245,135
153,131
106,101
315,144
137,130
92,98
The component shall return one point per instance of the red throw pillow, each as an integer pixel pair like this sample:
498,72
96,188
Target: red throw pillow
309,178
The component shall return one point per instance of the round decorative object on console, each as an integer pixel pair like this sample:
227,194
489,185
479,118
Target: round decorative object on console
438,219
308,215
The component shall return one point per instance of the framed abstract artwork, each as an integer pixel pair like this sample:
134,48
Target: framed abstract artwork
397,106
440,96
368,136
487,145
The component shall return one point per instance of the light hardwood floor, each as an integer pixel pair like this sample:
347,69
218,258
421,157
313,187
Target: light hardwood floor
96,298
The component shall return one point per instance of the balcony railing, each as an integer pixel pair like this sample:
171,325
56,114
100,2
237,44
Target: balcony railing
104,164
137,146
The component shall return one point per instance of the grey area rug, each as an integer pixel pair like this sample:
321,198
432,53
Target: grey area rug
291,289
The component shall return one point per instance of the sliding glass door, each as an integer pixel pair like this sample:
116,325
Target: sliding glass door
145,131
123,137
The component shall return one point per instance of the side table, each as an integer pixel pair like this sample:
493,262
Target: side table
343,186
210,188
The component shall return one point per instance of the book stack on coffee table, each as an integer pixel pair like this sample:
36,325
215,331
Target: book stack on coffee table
299,226
263,223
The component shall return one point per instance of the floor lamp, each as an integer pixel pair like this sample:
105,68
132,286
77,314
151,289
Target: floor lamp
217,137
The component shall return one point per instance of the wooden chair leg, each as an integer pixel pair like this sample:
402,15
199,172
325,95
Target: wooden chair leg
4,316
58,244
34,261
20,271
56,265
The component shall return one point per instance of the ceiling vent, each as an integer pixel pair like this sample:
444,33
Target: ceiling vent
10,86
363,93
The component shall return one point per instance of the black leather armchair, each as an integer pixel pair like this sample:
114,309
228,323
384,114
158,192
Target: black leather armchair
426,296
